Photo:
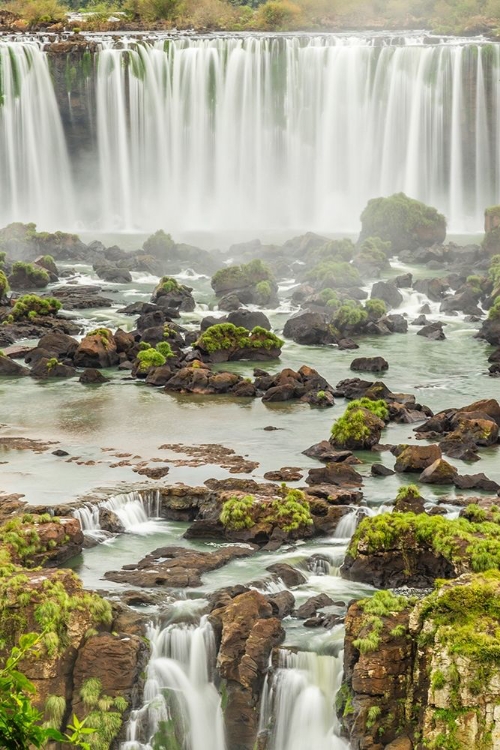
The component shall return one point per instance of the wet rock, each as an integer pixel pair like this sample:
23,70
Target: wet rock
9,368
439,472
433,331
310,607
91,376
369,364
50,368
290,576
340,474
476,482
347,344
249,319
395,323
282,603
379,470
310,329
80,297
324,451
229,303
416,458
388,292
112,273
286,474
361,440
97,350
404,280
58,345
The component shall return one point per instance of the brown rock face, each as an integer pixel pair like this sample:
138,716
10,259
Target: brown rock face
439,472
413,458
248,632
97,350
341,474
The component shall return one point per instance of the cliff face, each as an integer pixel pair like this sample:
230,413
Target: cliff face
425,674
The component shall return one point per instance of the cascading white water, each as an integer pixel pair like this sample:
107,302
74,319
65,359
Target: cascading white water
135,511
253,133
298,710
35,180
258,132
180,700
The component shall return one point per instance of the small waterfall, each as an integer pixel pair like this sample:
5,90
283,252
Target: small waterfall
35,179
298,706
347,525
181,703
135,511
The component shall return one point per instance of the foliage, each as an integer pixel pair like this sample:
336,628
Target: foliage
235,277
265,292
278,15
150,358
20,721
165,349
494,270
375,308
38,11
457,540
494,312
4,284
352,426
105,713
408,492
382,604
168,284
159,244
237,514
292,512
228,336
349,315
334,250
331,273
32,303
397,219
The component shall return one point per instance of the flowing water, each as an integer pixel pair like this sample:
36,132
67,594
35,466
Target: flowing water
249,132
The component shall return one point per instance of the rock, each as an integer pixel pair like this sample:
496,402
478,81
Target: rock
282,603
395,323
404,280
171,295
415,458
363,439
97,350
490,407
112,273
433,331
92,376
406,223
340,474
379,470
388,292
476,482
290,576
323,451
58,345
347,344
402,743
50,368
309,328
249,319
286,474
229,302
432,288
439,472
369,364
310,607
9,368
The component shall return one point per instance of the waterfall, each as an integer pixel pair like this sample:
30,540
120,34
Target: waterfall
35,179
260,132
135,511
181,703
250,133
298,708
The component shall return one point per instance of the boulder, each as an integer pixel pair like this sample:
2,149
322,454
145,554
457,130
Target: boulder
249,319
433,331
9,368
97,350
416,458
439,472
339,474
369,364
91,376
310,329
388,292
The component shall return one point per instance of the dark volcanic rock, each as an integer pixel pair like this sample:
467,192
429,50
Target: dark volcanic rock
369,364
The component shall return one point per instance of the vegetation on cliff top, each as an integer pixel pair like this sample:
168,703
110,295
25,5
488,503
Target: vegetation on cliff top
476,545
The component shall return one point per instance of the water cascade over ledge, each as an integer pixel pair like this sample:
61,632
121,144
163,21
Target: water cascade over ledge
253,132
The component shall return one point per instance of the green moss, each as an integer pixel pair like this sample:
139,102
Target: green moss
375,308
168,284
438,679
165,349
228,336
238,513
292,512
374,713
35,274
54,710
382,604
159,244
349,315
494,311
397,219
456,540
264,291
104,714
4,284
150,358
32,303
351,427
408,492
334,274
474,513
235,277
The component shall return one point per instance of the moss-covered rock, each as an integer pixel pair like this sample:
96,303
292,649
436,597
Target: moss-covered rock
224,341
405,222
361,425
252,283
28,276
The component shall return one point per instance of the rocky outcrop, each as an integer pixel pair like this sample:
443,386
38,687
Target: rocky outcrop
310,329
413,458
247,631
419,674
97,349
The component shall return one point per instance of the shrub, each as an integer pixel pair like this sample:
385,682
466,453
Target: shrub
105,713
379,408
159,244
352,428
278,14
349,315
330,273
374,251
375,308
264,291
292,512
150,358
32,303
228,336
404,222
408,492
169,285
494,270
165,349
235,277
38,11
494,313
237,513
336,250
4,284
